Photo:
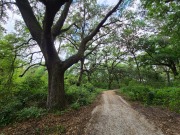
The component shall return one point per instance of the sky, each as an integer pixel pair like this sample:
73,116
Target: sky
109,2
9,26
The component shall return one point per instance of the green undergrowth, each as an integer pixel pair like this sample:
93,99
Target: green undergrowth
78,96
28,99
25,100
166,96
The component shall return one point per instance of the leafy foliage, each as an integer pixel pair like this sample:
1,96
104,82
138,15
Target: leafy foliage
28,98
31,112
22,101
166,97
83,95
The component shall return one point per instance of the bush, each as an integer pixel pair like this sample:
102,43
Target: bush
29,98
150,98
15,103
8,112
75,106
138,93
31,112
78,94
167,96
81,95
89,87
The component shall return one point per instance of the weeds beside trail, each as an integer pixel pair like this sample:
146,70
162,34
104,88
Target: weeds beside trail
168,97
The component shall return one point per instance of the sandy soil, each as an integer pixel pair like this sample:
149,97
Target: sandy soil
114,116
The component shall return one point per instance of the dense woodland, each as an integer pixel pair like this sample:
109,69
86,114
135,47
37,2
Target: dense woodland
63,54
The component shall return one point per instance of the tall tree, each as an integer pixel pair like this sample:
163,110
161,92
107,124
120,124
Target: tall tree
159,51
46,32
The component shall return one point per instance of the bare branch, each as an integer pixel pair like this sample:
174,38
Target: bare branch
37,64
21,45
65,29
72,42
31,54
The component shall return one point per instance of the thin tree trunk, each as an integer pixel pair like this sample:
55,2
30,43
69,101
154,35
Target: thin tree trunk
168,77
174,69
109,81
81,73
109,85
137,65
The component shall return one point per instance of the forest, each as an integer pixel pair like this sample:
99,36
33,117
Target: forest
60,55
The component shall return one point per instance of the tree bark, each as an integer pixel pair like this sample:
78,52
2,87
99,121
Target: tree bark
109,84
56,93
174,69
109,80
81,73
168,78
137,66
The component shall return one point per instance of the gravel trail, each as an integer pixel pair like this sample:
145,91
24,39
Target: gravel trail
114,116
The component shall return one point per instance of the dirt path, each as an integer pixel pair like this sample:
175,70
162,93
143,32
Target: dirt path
114,116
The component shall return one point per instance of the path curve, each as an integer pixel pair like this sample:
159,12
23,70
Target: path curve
114,116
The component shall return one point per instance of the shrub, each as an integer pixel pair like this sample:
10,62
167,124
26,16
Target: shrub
167,96
75,106
8,112
150,98
81,95
31,112
139,93
88,86
29,98
78,94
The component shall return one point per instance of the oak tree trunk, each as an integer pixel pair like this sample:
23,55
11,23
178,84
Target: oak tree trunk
56,92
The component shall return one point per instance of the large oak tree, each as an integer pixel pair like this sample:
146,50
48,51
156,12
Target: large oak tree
45,34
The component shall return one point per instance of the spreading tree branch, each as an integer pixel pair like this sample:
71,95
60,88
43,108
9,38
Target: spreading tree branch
96,30
57,28
75,58
37,64
30,19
